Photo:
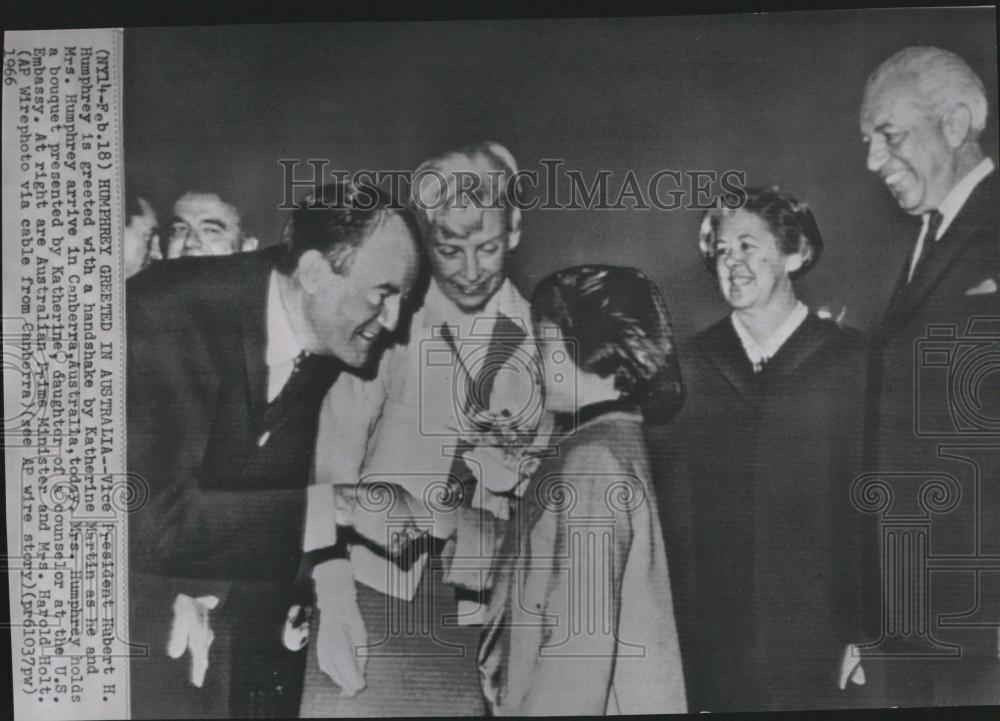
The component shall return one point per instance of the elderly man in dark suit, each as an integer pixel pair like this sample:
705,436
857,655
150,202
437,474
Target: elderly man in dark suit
228,361
936,413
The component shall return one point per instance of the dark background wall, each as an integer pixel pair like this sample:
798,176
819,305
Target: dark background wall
773,95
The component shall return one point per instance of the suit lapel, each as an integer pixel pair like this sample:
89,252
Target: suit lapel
977,208
256,277
305,388
902,281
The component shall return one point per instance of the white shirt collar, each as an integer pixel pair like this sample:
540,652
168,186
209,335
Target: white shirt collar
954,201
760,353
282,345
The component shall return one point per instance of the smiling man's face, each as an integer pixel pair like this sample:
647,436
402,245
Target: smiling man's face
346,313
907,147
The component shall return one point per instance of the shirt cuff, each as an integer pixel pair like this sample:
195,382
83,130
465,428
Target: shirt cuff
321,529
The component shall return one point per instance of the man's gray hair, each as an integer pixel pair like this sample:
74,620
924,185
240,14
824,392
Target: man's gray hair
451,190
942,80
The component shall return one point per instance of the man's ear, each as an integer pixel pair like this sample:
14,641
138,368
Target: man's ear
313,269
956,124
248,244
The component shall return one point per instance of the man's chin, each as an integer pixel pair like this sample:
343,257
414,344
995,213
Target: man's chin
361,352
907,200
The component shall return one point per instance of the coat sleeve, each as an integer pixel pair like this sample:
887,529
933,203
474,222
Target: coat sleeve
649,677
347,421
671,483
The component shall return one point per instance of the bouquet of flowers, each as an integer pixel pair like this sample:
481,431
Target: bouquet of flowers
503,456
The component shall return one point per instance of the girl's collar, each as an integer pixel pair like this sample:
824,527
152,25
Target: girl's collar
570,422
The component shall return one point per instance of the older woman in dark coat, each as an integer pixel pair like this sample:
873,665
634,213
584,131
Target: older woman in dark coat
765,545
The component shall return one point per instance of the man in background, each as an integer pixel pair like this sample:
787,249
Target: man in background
205,224
142,235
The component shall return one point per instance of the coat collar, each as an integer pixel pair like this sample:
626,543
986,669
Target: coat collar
256,274
721,347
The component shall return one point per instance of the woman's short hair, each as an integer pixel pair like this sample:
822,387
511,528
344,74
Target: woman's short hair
470,179
616,323
791,222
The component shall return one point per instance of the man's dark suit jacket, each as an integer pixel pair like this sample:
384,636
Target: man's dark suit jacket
918,394
221,510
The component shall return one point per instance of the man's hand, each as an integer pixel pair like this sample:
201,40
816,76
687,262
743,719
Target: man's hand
295,632
342,638
345,498
190,631
850,667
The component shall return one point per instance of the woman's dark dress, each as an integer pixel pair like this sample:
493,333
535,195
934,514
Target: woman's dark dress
766,549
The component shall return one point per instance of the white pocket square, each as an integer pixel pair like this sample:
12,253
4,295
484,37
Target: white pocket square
985,288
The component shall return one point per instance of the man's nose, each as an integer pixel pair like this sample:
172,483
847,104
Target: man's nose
877,154
192,239
388,318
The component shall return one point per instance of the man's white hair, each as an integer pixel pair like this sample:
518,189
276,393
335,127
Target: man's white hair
451,190
942,80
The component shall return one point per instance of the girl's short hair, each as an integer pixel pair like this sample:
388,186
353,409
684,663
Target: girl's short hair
616,323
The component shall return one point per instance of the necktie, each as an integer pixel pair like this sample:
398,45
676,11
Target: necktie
307,367
926,244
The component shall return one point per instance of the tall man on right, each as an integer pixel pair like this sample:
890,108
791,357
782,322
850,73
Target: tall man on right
936,409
